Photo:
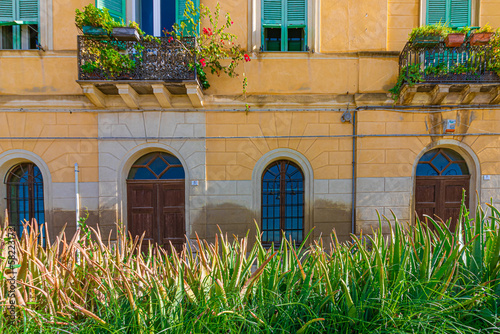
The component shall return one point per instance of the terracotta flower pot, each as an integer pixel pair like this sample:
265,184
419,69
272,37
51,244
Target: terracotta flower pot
481,38
454,40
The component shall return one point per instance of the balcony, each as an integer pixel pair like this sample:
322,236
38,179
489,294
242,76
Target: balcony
449,76
162,73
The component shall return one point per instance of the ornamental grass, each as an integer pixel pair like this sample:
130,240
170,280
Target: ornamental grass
414,280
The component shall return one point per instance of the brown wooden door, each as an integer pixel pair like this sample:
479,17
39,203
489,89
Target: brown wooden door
440,196
157,208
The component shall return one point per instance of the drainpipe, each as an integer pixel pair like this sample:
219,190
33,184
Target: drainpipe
354,148
77,196
351,118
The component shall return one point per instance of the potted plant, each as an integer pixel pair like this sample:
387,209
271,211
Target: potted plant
456,38
94,21
130,33
429,35
482,36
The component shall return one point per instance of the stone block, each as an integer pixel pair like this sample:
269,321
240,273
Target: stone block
332,200
341,186
108,189
370,184
321,186
244,187
221,187
380,200
403,184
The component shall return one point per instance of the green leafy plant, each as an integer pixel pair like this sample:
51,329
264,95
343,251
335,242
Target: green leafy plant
463,30
409,75
113,59
439,69
95,17
485,29
419,277
438,29
216,48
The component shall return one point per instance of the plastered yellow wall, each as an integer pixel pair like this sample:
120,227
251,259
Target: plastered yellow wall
403,16
234,159
331,158
59,154
347,27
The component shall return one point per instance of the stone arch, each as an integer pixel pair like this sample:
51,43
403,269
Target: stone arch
307,170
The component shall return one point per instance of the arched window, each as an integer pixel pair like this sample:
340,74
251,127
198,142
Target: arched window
282,202
442,162
157,166
25,196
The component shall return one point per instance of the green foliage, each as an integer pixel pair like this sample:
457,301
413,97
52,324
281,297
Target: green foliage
216,47
437,29
463,30
112,59
95,17
485,29
409,75
413,280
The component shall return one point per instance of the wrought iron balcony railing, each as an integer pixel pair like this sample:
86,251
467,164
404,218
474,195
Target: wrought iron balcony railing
158,59
449,65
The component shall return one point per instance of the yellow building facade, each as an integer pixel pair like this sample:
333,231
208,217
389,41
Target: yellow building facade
325,111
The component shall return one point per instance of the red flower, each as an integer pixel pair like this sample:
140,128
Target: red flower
202,62
231,22
207,31
170,39
247,57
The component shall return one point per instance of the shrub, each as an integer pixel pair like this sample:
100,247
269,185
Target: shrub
416,280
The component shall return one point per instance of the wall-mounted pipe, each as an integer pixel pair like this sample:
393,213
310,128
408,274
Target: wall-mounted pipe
77,197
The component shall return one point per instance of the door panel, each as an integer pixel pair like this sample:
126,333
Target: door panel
141,200
172,214
426,195
452,199
157,208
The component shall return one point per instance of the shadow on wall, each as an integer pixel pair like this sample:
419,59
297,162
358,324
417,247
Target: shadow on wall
237,220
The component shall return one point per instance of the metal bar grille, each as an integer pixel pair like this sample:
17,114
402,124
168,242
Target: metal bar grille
25,198
158,59
282,202
441,64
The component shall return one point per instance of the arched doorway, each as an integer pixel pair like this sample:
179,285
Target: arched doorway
441,176
282,202
25,197
156,199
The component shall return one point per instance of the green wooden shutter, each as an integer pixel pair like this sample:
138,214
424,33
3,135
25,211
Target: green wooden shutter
436,11
460,13
28,11
179,13
7,11
117,8
272,12
296,12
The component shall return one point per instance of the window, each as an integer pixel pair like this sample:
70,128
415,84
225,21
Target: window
457,13
284,25
25,196
282,202
153,16
19,24
442,162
